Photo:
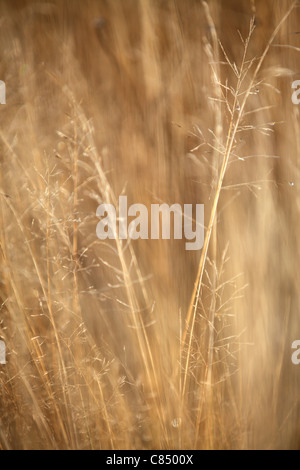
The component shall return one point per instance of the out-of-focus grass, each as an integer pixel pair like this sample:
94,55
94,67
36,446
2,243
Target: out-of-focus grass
125,97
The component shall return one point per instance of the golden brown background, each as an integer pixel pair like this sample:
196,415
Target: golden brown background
111,97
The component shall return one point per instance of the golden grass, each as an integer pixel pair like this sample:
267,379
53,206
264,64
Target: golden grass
143,345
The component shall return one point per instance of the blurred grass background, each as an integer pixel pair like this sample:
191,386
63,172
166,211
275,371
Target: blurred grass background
111,97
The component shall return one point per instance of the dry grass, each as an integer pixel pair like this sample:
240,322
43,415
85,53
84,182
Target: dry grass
115,345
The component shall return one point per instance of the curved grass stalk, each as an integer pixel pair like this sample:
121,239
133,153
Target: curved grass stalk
237,113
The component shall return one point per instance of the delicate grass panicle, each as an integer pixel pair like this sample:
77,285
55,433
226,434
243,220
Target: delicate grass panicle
122,344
